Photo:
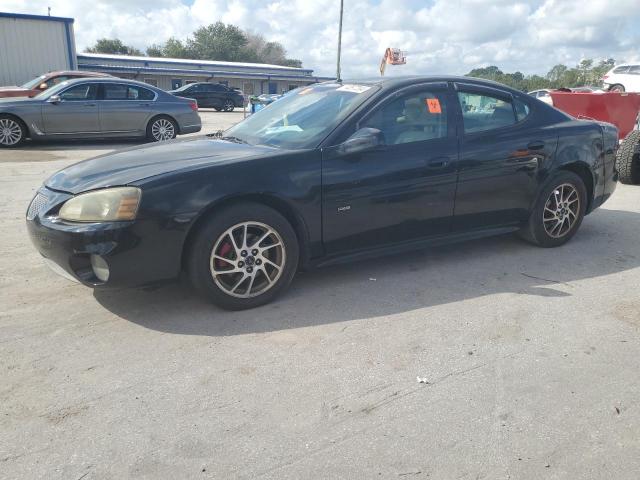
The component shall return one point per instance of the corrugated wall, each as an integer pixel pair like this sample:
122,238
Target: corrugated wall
29,48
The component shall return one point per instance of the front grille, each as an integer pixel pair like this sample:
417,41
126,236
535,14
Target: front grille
37,204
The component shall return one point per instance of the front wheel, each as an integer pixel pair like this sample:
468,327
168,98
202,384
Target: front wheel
161,129
243,257
616,88
12,132
228,106
558,211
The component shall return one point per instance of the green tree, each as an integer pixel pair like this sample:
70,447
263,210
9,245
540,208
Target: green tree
113,46
155,50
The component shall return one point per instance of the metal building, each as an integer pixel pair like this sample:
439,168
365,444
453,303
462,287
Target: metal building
31,45
171,73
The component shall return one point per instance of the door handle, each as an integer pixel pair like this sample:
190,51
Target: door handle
438,162
535,145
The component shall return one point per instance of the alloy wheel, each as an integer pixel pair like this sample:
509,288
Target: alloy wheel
561,210
162,129
228,106
247,259
10,132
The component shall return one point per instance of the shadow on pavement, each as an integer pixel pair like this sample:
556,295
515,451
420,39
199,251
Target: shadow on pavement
606,243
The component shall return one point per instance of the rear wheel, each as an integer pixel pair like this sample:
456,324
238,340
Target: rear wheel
558,211
12,131
161,129
243,257
628,159
616,88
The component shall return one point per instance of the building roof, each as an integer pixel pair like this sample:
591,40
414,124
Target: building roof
36,17
190,62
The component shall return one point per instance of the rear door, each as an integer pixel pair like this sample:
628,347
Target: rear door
125,108
76,112
401,191
502,151
633,83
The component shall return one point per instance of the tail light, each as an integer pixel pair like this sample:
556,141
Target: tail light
605,77
194,105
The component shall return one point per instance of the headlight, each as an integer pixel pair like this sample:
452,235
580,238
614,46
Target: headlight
108,205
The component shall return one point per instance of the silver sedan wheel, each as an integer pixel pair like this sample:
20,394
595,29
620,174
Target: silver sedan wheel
561,210
10,132
163,129
247,259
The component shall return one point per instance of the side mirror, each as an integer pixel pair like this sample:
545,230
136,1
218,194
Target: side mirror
54,99
43,86
362,140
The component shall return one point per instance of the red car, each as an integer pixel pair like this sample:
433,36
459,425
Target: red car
41,83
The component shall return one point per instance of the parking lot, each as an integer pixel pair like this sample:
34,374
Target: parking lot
531,359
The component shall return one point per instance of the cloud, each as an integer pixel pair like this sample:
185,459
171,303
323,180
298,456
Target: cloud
439,36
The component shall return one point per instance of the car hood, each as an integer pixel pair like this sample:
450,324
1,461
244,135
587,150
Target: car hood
15,101
134,164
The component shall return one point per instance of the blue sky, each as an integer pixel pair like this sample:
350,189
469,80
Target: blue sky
439,36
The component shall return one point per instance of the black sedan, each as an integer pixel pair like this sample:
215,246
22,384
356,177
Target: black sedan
211,95
333,172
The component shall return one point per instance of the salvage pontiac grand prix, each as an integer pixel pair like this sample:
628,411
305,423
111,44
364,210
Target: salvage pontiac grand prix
333,172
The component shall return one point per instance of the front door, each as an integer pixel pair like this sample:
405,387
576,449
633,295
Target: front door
500,156
401,191
76,111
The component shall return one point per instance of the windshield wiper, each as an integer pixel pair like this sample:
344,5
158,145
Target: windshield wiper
230,138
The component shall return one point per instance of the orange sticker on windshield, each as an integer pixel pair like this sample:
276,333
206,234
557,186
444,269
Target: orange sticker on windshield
433,104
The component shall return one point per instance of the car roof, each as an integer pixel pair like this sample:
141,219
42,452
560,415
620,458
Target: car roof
111,79
402,81
76,72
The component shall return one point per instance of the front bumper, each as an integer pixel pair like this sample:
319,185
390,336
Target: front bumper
132,250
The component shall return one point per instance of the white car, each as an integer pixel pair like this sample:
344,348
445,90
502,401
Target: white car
623,78
542,94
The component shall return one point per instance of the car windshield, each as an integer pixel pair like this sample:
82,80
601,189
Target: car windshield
301,119
183,88
31,84
53,90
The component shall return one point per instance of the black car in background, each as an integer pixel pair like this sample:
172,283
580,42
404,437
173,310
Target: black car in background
211,95
328,173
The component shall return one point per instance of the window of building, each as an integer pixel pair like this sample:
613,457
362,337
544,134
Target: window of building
84,91
412,118
247,88
484,112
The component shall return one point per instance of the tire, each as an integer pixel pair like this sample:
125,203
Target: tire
217,109
628,162
228,105
542,228
235,277
12,132
616,88
162,128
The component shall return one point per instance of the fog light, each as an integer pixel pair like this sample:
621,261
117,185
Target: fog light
100,268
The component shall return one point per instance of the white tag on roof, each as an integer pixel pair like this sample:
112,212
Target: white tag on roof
353,88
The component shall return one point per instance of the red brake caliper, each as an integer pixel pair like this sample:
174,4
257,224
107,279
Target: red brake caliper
224,249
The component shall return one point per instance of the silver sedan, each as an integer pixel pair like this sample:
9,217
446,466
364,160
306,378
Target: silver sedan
97,108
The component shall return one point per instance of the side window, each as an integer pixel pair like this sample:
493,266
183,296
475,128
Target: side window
115,91
522,110
216,88
139,93
411,118
118,91
624,69
634,70
84,91
483,112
